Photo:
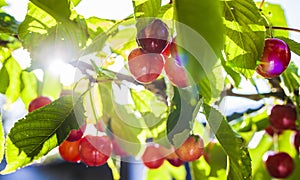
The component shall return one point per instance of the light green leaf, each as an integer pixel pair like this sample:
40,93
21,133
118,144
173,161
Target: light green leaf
233,145
146,8
4,76
31,133
29,87
276,17
97,26
245,34
14,72
51,85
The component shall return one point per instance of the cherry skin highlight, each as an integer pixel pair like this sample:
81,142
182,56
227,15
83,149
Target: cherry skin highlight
275,59
69,151
145,67
278,164
176,73
38,103
95,150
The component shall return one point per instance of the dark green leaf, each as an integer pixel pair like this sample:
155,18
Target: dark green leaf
233,145
245,34
293,45
56,119
58,9
180,121
8,24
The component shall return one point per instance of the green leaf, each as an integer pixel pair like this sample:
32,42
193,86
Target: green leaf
2,139
233,145
8,24
245,34
167,171
202,43
50,28
29,90
14,72
122,120
31,135
185,105
293,45
146,8
51,85
276,17
3,3
4,76
97,26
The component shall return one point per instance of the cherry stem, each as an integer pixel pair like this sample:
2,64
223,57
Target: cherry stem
283,28
261,4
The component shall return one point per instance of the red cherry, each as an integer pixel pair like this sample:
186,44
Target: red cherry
95,150
145,67
167,51
271,131
69,151
98,126
76,134
278,164
275,59
283,117
176,73
154,37
192,149
152,157
38,103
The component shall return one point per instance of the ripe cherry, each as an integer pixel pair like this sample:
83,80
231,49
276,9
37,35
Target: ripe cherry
152,157
76,134
154,37
95,150
176,73
38,103
191,149
283,117
69,151
278,164
145,67
275,59
171,156
271,131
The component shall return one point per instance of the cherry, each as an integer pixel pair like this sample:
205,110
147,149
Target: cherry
69,151
76,134
152,157
296,141
99,126
283,117
278,164
271,131
154,37
275,59
176,73
95,150
171,156
167,51
191,149
145,67
38,103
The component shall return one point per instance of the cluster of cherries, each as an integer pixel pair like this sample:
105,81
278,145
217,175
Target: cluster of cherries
190,150
156,53
275,59
282,117
95,150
